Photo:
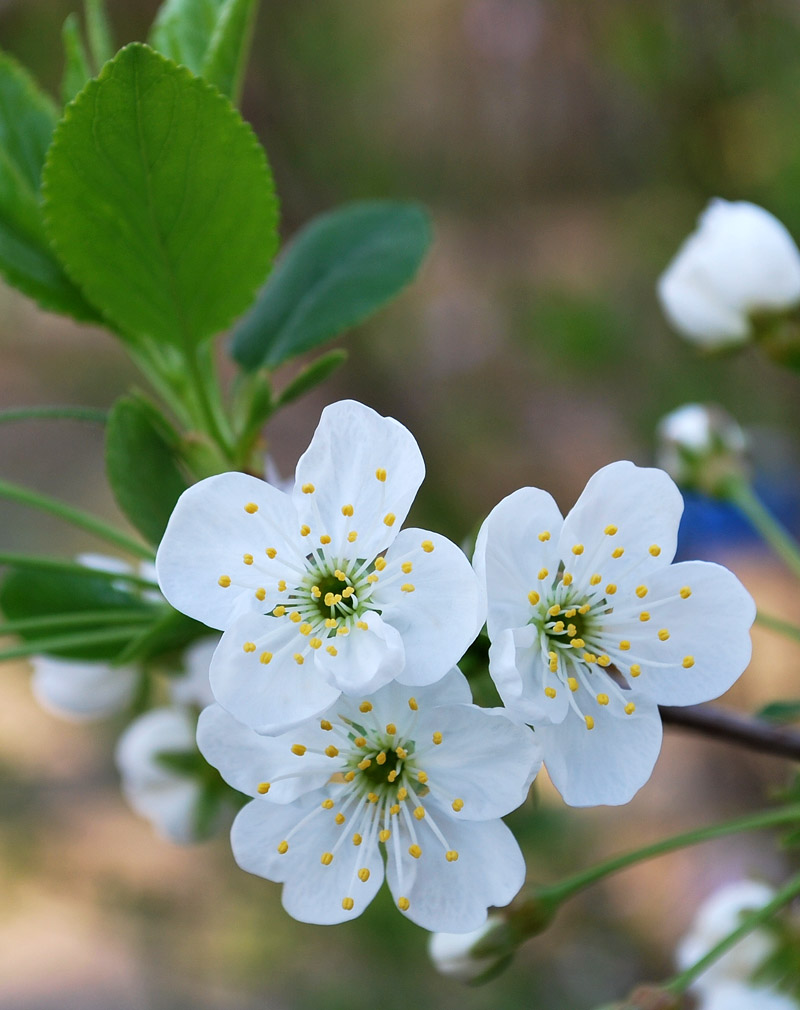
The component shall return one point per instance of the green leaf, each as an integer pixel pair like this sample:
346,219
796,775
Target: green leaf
226,58
317,372
76,61
142,467
27,120
339,269
183,30
99,32
171,632
780,712
182,762
159,201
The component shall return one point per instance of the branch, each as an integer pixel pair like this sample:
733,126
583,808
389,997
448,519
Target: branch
724,724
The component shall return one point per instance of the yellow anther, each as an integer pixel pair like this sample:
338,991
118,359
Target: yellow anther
611,588
330,599
347,510
324,539
415,851
458,804
364,764
543,573
655,550
577,549
384,835
270,552
249,646
641,592
331,650
552,655
644,616
394,809
365,706
380,473
373,797
295,616
340,818
298,749
550,692
360,741
603,660
357,839
554,611
422,777
305,628
391,729
392,775
630,708
279,611
372,578
412,704
686,592
688,662
577,643
427,546
389,518
437,737
610,531
265,657
315,643
327,804
566,578
635,670
663,634
602,699
570,613
362,625
349,776
347,904
363,874
347,592
380,564
325,724
558,627
261,593
330,622
247,558
298,659
283,847
316,592
533,598
263,788
352,536
585,608
419,813
402,793
572,684
304,530
308,489
403,904
595,580
344,630
572,630
224,581
624,645
589,657
251,507
545,536
451,855
381,758
589,721
332,751
407,587
406,567
553,664
617,552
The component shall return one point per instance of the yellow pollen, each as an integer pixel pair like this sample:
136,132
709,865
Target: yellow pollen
451,855
635,670
360,741
624,645
533,598
611,588
249,646
572,630
347,510
545,536
305,628
357,839
407,567
602,699
380,473
663,634
589,657
263,788
572,684
251,507
644,616
641,592
688,662
331,650
630,708
330,622
325,724
352,536
308,489
570,613
422,777
543,573
295,616
577,643
391,729
655,550
403,904
279,611
344,630
392,775
372,578
686,592
349,776
553,666
347,904
324,539
315,643
437,737
304,530
381,758
224,581
412,704
603,660
363,874
617,552
327,804
316,592
384,835
415,851
595,580
394,809
554,611
610,531
270,552
347,592
265,657
407,587
380,564
331,751
566,578
427,546
261,593
585,608
364,764
298,659
298,749
389,519
373,797
589,721
365,706
402,793
340,818
283,847
550,692
577,549
419,813
558,627
247,558
330,599
458,804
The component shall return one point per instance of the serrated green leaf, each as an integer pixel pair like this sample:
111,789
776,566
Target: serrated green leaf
182,30
317,372
142,467
780,711
154,179
76,60
99,32
339,269
226,58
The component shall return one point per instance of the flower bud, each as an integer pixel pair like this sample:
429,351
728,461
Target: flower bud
740,266
701,447
452,953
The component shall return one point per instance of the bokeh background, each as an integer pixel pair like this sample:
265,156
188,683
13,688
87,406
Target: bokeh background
564,149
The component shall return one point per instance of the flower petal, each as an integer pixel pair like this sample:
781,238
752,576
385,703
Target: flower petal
212,557
78,690
521,675
365,659
604,765
361,462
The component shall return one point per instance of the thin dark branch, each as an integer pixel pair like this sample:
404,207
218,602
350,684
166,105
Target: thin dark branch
724,724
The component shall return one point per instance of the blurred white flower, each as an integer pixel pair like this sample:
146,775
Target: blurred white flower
736,996
192,686
741,261
699,445
451,953
82,690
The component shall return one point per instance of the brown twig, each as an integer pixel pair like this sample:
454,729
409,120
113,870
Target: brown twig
724,724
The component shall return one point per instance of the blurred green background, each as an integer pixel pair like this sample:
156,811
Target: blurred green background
564,149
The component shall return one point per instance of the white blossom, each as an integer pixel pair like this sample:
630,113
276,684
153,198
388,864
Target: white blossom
451,953
421,780
741,261
316,591
737,996
592,627
699,445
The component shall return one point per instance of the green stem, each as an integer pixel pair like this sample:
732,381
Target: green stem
77,619
77,517
58,642
680,983
778,624
53,414
32,562
212,424
741,494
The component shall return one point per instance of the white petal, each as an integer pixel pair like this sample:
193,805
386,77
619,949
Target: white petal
521,675
269,697
738,996
391,704
644,506
711,627
313,892
193,687
351,444
80,690
483,759
365,659
509,554
211,535
604,765
453,897
436,606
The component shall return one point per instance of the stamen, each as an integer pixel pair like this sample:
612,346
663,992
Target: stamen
251,507
224,581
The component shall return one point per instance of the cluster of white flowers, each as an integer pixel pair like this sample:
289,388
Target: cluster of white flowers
338,706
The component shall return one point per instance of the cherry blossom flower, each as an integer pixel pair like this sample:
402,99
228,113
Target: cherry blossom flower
316,591
420,779
592,627
452,953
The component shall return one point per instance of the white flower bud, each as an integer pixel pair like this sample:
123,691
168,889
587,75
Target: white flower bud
700,445
451,953
739,263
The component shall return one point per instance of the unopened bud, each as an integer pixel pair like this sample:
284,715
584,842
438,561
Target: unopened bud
701,447
454,954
